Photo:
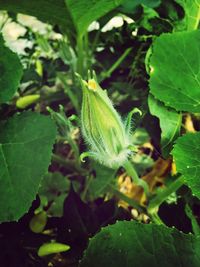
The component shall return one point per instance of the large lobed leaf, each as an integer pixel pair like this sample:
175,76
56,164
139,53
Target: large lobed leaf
73,16
175,71
132,244
26,142
186,154
10,72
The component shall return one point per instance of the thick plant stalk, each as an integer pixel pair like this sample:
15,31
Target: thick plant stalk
194,222
156,219
162,196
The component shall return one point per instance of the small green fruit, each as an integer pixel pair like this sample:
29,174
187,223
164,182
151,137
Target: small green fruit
26,101
38,222
51,248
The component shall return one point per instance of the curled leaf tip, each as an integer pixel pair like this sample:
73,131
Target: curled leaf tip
84,155
136,110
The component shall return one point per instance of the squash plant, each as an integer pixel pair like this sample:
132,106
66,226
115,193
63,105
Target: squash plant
90,177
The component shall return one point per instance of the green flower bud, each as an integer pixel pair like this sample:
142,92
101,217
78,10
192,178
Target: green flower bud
102,126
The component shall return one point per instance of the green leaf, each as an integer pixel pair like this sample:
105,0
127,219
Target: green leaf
170,123
175,75
54,188
10,72
192,13
54,184
85,12
79,217
149,14
26,142
128,6
132,244
56,208
186,154
104,176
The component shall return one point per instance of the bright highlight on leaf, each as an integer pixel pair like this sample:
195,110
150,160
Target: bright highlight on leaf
192,14
151,69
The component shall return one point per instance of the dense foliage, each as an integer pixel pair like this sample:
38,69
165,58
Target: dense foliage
94,177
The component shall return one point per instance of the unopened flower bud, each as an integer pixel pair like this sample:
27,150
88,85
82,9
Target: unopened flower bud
102,126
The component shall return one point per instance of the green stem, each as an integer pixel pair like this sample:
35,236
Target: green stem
4,21
196,25
80,53
156,219
69,91
128,166
162,196
126,199
197,22
87,185
117,63
75,148
195,225
96,39
70,164
88,56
